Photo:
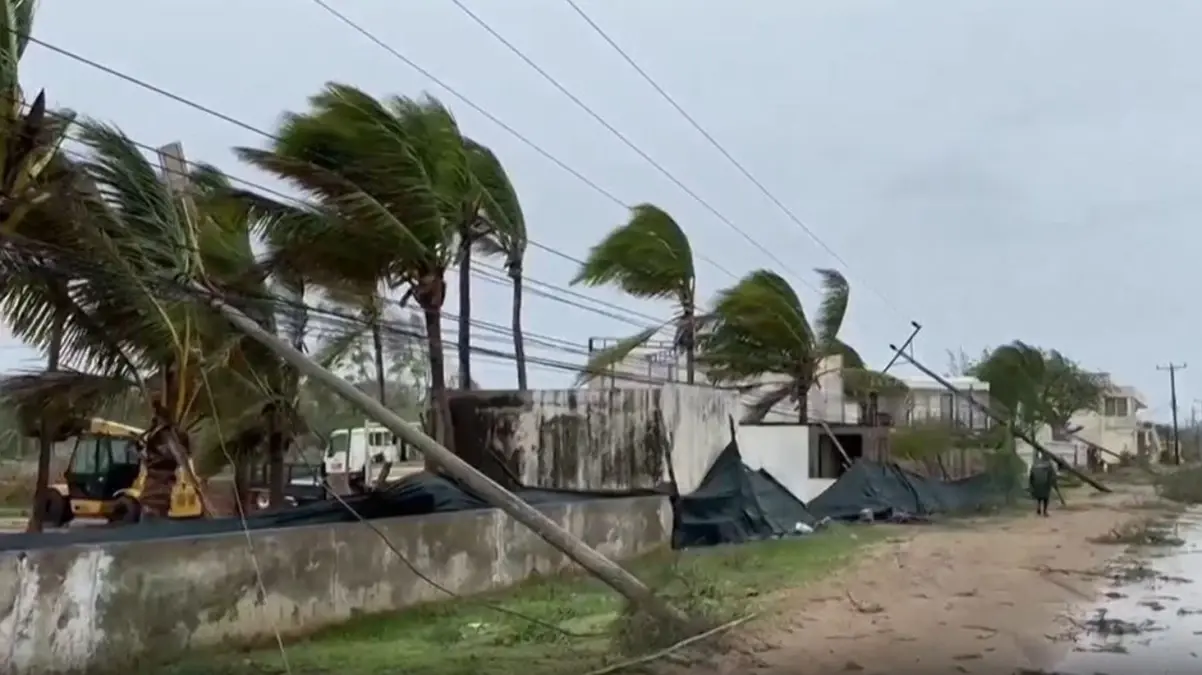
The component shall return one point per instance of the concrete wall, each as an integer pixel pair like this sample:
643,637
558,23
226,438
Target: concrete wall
595,439
784,452
68,609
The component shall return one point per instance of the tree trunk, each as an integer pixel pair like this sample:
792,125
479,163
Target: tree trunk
519,341
803,405
465,309
243,484
382,389
689,342
277,445
160,471
430,298
46,437
377,344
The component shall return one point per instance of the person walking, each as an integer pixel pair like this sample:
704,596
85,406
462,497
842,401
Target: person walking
1042,481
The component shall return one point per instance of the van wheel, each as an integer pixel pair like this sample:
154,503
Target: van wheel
126,510
55,508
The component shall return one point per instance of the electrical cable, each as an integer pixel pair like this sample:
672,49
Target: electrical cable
714,142
623,138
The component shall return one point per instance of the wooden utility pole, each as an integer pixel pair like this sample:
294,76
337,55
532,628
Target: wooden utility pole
1002,421
1173,368
603,568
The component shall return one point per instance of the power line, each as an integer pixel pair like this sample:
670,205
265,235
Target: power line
200,107
622,137
712,140
492,118
207,110
499,273
391,50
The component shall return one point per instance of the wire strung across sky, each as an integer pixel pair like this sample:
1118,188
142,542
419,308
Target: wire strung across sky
244,125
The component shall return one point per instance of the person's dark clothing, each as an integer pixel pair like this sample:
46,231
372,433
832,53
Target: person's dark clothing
1042,481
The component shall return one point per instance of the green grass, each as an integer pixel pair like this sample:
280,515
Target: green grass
464,636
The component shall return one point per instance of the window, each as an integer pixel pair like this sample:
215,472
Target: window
947,407
339,443
86,459
1115,406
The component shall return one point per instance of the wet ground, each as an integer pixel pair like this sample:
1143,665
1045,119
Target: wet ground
1149,621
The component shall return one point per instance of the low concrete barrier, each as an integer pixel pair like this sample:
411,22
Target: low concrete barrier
77,608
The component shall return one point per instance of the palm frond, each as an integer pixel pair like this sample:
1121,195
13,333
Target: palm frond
648,257
768,398
501,207
60,398
835,294
756,327
603,362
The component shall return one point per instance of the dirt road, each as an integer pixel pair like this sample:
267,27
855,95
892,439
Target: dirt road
978,597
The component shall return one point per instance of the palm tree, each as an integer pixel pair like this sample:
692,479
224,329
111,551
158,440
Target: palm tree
136,240
647,257
29,155
506,237
31,137
393,183
758,335
1035,386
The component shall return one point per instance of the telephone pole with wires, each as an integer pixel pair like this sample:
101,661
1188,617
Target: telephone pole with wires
1172,368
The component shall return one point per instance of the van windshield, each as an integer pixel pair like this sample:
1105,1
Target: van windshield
339,443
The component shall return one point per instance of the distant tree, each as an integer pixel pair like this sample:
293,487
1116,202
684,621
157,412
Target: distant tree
1039,386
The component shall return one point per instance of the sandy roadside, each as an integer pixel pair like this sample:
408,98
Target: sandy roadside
968,598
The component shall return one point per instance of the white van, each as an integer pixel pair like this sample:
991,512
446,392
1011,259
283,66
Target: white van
359,455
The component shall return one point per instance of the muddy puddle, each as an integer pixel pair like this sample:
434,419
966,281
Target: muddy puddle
1149,618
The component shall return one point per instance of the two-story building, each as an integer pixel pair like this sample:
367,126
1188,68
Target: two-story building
1115,425
929,402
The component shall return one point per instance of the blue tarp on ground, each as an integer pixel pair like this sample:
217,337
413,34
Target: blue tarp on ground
735,504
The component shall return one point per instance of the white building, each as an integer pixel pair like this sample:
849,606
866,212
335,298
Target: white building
658,362
927,401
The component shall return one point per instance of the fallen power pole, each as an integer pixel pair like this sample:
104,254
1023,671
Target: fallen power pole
603,568
1001,420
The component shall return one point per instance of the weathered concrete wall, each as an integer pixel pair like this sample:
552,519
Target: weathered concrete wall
73,608
595,439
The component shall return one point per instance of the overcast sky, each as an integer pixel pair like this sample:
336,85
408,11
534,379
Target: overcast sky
994,169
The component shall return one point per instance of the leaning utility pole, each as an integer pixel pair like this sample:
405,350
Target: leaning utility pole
579,552
1002,421
603,568
1173,368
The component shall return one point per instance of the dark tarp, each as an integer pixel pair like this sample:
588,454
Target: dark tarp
890,492
735,504
416,495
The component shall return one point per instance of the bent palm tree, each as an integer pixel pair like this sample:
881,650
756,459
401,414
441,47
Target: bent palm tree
506,225
136,242
759,337
1036,386
648,257
394,182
